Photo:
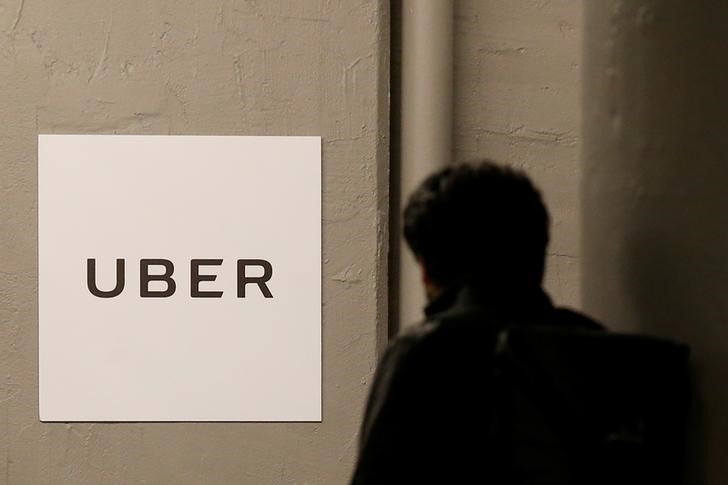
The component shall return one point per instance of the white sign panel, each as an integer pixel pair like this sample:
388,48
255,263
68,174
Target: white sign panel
179,278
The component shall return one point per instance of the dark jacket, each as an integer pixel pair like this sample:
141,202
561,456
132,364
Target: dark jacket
428,418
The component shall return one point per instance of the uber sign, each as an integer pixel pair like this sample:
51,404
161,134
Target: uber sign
179,278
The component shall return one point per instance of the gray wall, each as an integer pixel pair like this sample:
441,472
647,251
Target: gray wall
517,100
654,192
198,67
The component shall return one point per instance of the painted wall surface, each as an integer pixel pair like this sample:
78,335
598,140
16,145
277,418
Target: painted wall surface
198,67
654,192
517,100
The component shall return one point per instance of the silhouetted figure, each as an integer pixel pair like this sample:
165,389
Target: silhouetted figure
498,385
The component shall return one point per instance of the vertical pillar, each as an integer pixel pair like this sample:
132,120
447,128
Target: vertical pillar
655,191
426,119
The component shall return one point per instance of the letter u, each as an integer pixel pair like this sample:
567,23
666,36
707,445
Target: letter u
91,279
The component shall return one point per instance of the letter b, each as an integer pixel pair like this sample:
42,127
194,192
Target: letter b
145,278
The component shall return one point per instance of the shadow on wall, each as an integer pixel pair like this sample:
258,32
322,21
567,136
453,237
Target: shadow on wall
655,202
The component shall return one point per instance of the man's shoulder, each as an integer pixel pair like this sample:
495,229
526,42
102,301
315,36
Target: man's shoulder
452,331
569,318
445,338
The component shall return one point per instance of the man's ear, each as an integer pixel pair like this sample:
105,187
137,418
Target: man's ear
424,275
432,289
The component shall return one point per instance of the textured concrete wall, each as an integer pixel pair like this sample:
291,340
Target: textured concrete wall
517,72
198,67
654,191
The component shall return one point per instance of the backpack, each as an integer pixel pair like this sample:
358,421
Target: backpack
588,407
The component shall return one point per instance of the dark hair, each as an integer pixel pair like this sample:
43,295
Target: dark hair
478,223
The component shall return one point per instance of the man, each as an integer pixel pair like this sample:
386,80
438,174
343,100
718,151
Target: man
479,232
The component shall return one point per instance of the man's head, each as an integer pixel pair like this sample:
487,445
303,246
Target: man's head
480,224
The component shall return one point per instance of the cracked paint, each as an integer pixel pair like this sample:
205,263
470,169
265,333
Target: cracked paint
518,101
209,67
